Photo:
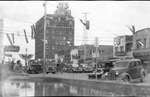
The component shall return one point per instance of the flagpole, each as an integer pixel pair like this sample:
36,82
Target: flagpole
44,52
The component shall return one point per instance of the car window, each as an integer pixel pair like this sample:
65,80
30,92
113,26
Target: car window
121,64
132,64
138,63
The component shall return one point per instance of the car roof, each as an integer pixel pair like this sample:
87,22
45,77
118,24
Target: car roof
127,60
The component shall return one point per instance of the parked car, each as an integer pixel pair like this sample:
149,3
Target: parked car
50,69
99,73
127,70
34,69
86,68
106,65
74,68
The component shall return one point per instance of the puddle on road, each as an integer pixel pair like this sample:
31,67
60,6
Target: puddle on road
19,88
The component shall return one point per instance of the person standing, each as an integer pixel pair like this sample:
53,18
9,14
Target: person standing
12,64
18,66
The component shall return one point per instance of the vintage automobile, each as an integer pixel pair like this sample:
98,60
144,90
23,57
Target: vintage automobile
99,73
86,68
74,68
128,70
34,69
50,69
106,65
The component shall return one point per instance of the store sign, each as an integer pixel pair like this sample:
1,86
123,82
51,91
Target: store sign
12,48
8,55
141,54
120,53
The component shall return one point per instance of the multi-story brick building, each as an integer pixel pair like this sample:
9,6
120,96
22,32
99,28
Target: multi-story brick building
122,46
59,31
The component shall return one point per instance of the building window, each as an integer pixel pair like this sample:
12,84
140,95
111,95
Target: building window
60,32
70,38
70,33
57,32
53,47
56,47
144,42
121,48
60,42
90,52
149,42
47,48
56,42
47,37
116,49
47,31
128,47
53,37
64,37
64,42
53,32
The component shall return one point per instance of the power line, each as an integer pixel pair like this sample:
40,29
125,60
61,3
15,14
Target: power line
19,20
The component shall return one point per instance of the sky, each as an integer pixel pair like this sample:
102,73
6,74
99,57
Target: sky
108,19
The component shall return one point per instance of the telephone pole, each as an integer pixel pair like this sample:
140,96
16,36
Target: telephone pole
96,45
44,52
85,36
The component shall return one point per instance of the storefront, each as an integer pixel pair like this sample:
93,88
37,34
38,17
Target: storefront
144,56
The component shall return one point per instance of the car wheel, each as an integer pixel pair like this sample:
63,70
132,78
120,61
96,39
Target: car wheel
143,75
125,78
104,77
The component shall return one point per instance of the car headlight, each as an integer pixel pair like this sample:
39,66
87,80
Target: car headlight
117,73
102,72
106,73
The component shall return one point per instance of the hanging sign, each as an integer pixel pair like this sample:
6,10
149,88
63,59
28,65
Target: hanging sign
11,48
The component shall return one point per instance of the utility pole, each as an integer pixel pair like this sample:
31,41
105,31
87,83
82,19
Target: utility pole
44,52
26,59
96,45
85,36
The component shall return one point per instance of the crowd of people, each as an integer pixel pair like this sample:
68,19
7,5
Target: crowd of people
16,66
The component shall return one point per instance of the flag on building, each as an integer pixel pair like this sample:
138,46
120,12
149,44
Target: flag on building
13,38
18,34
34,31
45,41
9,39
115,44
87,24
132,29
26,38
141,44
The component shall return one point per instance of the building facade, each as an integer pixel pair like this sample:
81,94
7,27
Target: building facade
123,46
1,38
104,52
74,56
64,54
59,31
141,46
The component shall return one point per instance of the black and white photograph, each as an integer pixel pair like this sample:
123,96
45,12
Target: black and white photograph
74,48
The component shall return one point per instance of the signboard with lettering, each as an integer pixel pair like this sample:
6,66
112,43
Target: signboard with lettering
12,48
120,53
141,54
8,55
